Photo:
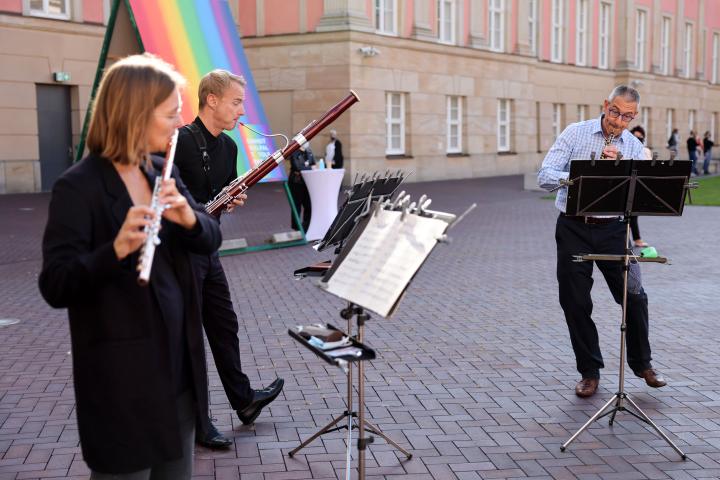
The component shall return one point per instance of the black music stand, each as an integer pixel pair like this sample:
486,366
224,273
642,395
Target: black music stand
370,189
628,188
344,232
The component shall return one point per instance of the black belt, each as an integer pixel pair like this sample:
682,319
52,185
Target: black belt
591,220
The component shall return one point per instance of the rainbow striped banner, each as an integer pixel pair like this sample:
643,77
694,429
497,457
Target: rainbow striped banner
197,36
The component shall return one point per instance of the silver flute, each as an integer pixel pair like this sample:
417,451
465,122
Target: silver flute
147,251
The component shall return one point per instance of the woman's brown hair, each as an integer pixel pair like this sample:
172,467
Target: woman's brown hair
129,92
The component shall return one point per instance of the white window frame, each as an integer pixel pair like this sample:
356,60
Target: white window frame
668,123
714,73
454,120
691,120
533,27
604,35
581,32
390,121
445,36
645,123
28,10
557,120
582,113
556,31
496,25
640,35
687,50
381,10
665,45
503,124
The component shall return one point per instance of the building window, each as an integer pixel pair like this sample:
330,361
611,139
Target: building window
395,121
687,50
581,32
581,113
713,126
715,58
503,125
691,120
557,120
533,27
669,123
604,40
665,46
447,13
556,33
454,124
59,9
385,16
640,23
496,14
645,122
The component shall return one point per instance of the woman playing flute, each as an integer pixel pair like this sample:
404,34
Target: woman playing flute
138,354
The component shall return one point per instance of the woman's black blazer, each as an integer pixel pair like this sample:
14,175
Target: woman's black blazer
126,409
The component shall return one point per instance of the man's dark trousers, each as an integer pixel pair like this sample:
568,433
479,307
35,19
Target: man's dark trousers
221,328
575,280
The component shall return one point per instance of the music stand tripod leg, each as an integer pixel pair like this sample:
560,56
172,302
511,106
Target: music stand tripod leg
374,429
597,415
323,430
644,417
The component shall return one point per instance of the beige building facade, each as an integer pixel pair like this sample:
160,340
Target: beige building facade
49,59
481,88
448,88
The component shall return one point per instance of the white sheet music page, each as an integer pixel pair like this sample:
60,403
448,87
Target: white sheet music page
384,259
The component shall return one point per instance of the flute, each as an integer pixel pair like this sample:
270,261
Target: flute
147,251
240,185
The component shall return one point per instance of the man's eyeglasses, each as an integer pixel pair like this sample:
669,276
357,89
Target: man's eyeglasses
616,113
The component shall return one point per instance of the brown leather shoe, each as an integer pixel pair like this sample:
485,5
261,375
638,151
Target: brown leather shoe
587,387
652,378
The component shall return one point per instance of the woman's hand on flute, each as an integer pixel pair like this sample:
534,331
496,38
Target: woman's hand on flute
132,235
177,208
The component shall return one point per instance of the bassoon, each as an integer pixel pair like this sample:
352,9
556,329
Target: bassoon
147,251
241,184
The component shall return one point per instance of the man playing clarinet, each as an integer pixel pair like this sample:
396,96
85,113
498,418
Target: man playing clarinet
575,234
207,160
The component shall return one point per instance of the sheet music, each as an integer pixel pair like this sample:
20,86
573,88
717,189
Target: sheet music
384,259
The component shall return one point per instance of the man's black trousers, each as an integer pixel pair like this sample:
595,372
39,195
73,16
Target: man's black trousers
575,281
221,328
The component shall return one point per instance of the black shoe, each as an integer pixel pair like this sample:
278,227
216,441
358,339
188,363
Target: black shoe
261,398
212,439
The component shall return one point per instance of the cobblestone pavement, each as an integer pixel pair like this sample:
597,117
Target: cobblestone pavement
474,373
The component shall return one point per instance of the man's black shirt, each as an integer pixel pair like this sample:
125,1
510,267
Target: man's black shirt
223,162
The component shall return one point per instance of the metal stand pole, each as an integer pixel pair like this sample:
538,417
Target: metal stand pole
620,397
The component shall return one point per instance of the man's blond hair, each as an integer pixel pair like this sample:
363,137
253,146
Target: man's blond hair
215,83
129,93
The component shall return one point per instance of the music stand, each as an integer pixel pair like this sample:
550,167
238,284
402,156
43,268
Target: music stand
344,232
628,188
373,188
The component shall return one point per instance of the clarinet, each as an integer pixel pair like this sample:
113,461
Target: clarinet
241,184
608,141
147,251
